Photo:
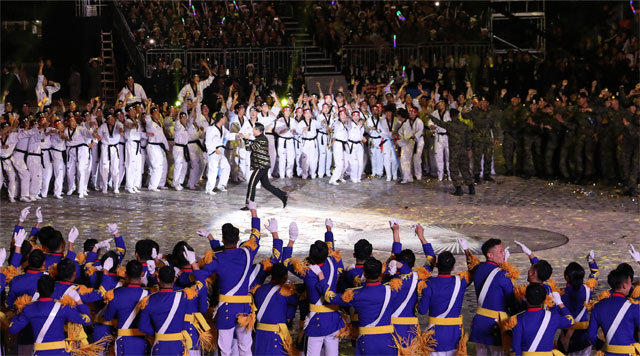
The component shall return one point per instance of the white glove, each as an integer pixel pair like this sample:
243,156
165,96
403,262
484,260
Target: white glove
73,234
24,213
463,244
293,231
393,266
203,233
176,271
190,256
160,256
151,266
251,205
316,269
19,237
506,254
112,228
39,214
98,268
524,248
108,264
556,298
328,223
106,244
592,256
272,225
634,254
394,221
154,253
3,255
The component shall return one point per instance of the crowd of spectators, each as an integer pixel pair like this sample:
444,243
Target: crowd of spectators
207,24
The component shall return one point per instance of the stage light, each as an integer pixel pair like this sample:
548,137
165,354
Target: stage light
284,102
437,3
178,103
152,41
394,41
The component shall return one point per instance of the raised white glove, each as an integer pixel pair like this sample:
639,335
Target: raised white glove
394,221
19,237
251,205
106,244
3,255
328,223
506,254
293,231
272,225
592,256
393,266
151,266
24,213
108,264
634,254
315,269
176,271
203,233
154,253
39,214
190,256
556,298
73,234
112,228
463,244
524,248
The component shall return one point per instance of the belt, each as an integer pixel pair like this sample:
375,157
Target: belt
137,146
344,143
109,150
130,332
37,155
323,308
376,330
353,143
270,327
582,325
185,151
198,320
404,320
442,133
286,139
493,314
53,345
445,321
181,336
220,146
633,349
63,152
197,142
310,139
158,144
542,353
239,299
322,137
24,152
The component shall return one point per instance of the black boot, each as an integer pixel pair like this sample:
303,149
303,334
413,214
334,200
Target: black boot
284,201
472,189
488,178
458,191
477,179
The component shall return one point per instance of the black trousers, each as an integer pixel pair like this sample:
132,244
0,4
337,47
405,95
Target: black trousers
262,176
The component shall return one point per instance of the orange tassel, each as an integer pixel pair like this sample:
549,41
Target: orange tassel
519,290
336,255
143,303
82,290
347,296
465,275
254,289
300,268
356,281
395,284
472,261
635,293
266,264
10,272
251,244
423,273
191,292
462,345
247,320
510,323
108,296
21,302
346,330
90,271
67,300
121,272
53,270
512,272
287,289
81,258
421,286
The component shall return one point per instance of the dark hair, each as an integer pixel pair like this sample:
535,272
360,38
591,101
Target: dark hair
230,234
318,252
114,257
362,249
134,269
45,286
66,268
279,273
143,249
575,274
25,250
626,268
166,274
616,278
258,126
44,234
489,244
372,268
543,269
177,255
407,257
445,262
36,259
402,112
535,294
217,117
89,244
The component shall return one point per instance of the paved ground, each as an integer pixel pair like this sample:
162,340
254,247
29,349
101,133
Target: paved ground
560,222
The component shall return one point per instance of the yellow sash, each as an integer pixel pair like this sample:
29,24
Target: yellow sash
376,330
445,321
323,308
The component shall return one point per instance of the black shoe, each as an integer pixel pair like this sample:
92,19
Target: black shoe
488,178
244,208
284,201
458,191
472,189
477,179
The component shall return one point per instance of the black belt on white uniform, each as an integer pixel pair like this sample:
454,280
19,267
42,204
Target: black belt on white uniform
158,144
24,154
286,139
442,133
199,144
77,147
37,155
322,137
214,151
109,150
353,143
345,144
2,159
185,151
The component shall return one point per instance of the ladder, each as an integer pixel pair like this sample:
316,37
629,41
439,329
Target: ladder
108,67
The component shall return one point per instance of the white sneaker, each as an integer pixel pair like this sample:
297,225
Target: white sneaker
11,200
58,196
32,198
136,190
163,188
104,191
26,199
222,189
154,189
178,188
334,183
81,196
130,191
117,191
210,192
37,197
70,191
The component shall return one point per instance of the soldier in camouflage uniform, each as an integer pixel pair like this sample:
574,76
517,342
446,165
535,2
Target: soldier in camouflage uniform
610,124
459,150
482,142
628,151
564,116
532,139
585,118
553,129
512,120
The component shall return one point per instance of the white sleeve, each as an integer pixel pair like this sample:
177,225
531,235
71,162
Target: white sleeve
55,88
143,94
205,83
182,93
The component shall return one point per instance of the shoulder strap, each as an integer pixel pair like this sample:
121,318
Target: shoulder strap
172,313
244,273
414,283
543,327
617,321
454,297
134,312
587,297
486,285
387,297
266,302
47,323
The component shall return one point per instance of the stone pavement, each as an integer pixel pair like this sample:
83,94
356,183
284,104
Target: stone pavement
559,222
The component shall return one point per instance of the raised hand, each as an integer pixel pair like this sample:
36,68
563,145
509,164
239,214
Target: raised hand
151,266
463,244
106,244
190,256
524,248
591,256
108,264
328,223
73,234
634,254
24,214
272,225
39,214
112,228
557,299
3,255
19,237
293,231
203,233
